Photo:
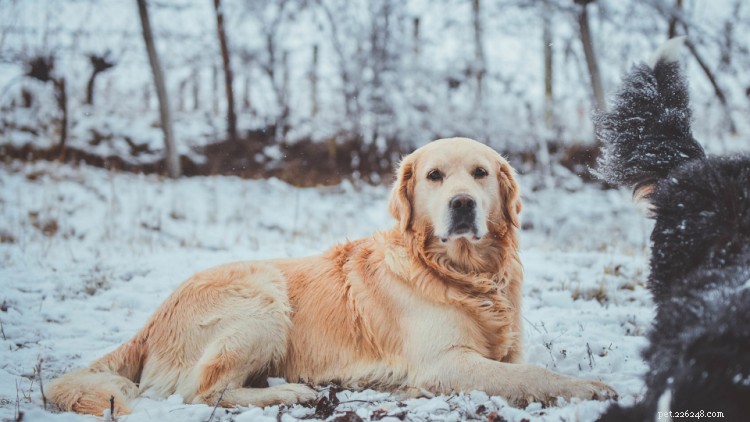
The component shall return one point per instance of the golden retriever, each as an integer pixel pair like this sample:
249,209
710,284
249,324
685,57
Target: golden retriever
432,304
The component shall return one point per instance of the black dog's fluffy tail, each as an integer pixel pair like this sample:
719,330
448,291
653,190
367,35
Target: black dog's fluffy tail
647,132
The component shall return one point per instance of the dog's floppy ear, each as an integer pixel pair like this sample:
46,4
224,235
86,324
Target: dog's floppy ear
510,193
399,203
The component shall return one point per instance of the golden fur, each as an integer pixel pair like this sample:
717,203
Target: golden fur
401,310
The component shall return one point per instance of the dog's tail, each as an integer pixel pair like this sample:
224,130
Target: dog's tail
108,384
647,132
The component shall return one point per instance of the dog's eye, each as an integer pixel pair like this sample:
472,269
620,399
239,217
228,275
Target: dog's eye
480,173
435,175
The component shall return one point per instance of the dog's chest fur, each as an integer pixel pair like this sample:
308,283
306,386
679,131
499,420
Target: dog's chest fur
398,313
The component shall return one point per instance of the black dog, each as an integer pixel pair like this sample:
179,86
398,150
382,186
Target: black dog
699,352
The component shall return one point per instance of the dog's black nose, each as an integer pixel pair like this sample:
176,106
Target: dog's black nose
463,203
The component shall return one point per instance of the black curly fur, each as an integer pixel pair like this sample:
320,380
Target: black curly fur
647,133
700,259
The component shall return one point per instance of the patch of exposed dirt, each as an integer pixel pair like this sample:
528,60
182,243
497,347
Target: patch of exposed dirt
301,163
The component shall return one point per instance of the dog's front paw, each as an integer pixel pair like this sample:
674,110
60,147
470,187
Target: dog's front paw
295,393
590,390
553,387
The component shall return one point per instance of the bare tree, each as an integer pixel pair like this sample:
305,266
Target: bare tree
228,79
415,35
195,76
99,64
42,68
350,79
214,89
548,70
549,100
379,61
273,60
714,83
675,17
62,103
172,159
314,82
590,54
672,29
480,65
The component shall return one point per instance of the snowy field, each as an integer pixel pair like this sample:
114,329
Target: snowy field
87,255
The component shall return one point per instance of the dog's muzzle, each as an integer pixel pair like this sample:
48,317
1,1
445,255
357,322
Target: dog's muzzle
463,215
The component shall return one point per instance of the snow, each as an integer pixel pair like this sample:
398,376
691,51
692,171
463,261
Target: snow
117,244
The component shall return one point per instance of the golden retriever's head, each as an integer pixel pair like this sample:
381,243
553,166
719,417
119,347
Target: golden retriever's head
455,189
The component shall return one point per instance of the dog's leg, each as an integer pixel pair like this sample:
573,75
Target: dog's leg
465,370
247,339
230,361
278,394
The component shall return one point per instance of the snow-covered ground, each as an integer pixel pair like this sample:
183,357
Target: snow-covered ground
87,255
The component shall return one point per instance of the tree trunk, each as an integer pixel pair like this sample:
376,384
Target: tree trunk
146,97
172,159
62,102
549,116
90,87
246,103
479,58
672,31
349,89
182,96
196,89
228,80
543,155
715,84
282,123
314,83
215,89
590,54
99,63
415,35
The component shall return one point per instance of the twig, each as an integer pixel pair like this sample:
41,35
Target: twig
718,91
19,414
112,407
548,346
591,356
358,401
2,330
41,383
533,325
221,396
